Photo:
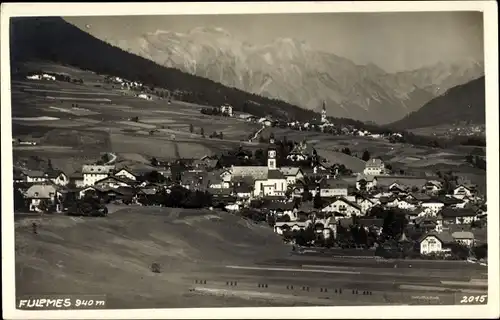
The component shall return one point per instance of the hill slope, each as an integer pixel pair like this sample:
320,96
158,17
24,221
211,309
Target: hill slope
53,39
462,103
293,71
113,255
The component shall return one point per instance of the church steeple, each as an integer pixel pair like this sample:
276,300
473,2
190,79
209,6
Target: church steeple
323,113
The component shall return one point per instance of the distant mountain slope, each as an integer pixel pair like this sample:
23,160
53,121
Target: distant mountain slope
293,71
53,39
461,103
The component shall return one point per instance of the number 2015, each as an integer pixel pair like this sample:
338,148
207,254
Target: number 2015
471,299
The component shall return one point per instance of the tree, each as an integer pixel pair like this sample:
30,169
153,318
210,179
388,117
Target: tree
317,201
346,151
221,135
154,162
19,201
202,132
191,128
366,155
49,165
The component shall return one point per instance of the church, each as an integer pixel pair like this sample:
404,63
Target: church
267,180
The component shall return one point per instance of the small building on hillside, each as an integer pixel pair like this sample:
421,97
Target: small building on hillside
226,109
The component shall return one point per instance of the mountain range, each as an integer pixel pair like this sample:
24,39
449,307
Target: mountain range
464,102
293,71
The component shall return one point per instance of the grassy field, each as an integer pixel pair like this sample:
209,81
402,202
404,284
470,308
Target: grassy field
113,255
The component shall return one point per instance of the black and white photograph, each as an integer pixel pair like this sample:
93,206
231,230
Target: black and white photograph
183,156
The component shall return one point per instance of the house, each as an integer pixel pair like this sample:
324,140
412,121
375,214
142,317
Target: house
243,190
93,173
343,206
301,152
433,186
432,206
88,190
214,180
457,216
126,173
333,188
124,194
58,177
35,176
204,163
366,182
398,188
408,183
374,167
372,224
463,191
435,243
365,203
282,227
406,204
113,182
40,192
226,109
194,180
292,174
464,237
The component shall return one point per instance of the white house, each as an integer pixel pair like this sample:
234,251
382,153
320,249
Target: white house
144,96
112,182
124,173
463,191
432,207
93,173
464,237
39,192
343,206
59,178
406,205
435,243
34,77
374,167
48,77
226,109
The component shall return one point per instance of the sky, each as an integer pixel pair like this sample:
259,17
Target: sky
393,41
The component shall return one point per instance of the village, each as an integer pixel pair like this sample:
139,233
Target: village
304,198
